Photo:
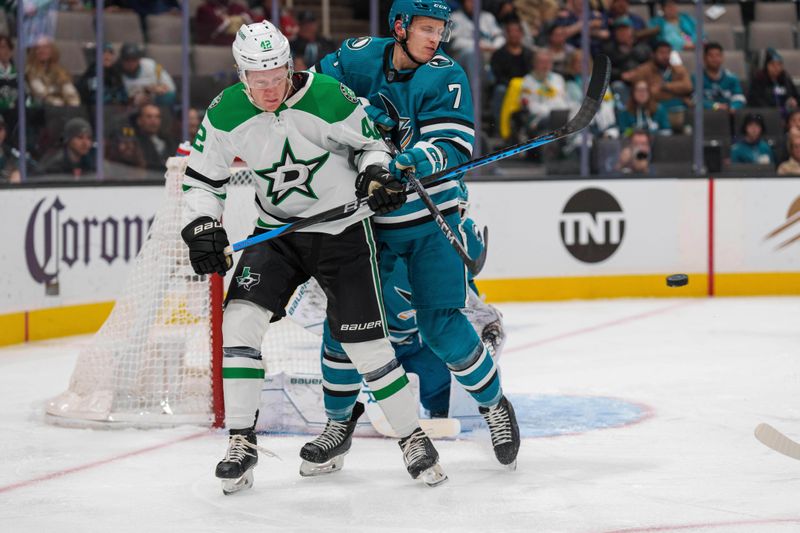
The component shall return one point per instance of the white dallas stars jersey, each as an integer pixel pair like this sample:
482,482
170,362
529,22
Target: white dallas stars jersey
301,153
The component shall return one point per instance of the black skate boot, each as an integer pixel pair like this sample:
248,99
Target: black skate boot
422,459
236,469
505,432
325,454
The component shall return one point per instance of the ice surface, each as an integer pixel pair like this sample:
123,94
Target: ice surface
701,373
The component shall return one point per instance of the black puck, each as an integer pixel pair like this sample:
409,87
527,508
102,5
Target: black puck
677,280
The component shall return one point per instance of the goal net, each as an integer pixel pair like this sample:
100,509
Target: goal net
157,358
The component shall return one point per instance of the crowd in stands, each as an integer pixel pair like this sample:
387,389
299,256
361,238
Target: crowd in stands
532,71
531,75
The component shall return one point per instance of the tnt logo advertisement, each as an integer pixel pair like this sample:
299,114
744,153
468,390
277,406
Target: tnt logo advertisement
592,225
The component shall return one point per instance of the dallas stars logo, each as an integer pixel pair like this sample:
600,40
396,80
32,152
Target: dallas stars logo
248,279
290,175
403,123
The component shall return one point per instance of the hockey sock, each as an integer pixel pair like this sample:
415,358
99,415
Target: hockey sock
243,328
388,382
341,382
448,333
478,375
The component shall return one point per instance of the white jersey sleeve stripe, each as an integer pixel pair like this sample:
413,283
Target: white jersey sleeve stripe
446,126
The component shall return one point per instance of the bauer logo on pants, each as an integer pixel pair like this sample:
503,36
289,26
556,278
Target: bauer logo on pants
248,279
592,225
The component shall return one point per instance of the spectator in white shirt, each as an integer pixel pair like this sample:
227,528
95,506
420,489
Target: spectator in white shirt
543,91
146,81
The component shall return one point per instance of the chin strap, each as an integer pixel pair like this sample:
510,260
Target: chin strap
404,46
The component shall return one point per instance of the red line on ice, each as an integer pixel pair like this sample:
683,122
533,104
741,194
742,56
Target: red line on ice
87,466
589,329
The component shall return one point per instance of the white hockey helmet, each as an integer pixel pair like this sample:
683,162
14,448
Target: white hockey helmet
260,46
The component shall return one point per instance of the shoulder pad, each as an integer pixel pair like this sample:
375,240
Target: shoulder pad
328,99
231,108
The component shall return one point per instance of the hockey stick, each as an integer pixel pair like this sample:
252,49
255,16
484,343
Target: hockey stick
435,428
591,103
772,438
474,265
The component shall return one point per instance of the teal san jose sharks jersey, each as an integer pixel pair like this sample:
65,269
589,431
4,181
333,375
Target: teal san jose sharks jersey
432,103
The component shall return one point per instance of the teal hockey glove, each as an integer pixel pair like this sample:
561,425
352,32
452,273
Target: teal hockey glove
425,158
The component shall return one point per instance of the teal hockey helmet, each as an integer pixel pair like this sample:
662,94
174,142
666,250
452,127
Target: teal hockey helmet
406,10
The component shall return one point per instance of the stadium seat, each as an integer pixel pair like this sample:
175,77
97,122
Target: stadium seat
72,56
776,12
666,147
204,88
75,26
212,60
671,168
717,126
736,63
721,33
168,55
123,27
791,62
771,34
164,29
605,155
687,58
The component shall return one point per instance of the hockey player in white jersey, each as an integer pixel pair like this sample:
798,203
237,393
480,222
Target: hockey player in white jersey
299,133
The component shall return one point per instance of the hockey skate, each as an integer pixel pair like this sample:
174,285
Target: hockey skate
422,459
236,469
503,427
325,454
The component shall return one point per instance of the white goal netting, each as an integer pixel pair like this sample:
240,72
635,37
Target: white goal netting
150,364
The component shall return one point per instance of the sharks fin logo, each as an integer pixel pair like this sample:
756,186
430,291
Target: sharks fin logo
403,123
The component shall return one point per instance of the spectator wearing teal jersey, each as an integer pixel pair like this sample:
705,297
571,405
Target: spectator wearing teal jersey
721,88
678,29
643,112
752,148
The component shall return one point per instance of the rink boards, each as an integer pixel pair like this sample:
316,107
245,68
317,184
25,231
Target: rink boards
69,249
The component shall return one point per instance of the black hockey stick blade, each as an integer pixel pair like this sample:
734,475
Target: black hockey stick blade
598,84
474,265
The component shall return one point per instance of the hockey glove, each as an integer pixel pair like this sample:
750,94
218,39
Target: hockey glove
207,240
425,158
386,194
378,115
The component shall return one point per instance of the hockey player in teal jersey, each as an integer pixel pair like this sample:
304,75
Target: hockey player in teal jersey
341,380
424,98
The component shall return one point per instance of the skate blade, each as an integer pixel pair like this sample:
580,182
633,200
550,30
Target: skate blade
433,476
309,469
230,486
511,466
